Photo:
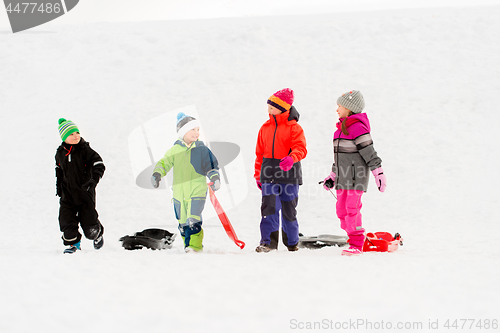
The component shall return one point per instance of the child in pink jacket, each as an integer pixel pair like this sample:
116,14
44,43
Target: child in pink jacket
355,157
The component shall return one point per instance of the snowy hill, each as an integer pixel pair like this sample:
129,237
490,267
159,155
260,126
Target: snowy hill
430,80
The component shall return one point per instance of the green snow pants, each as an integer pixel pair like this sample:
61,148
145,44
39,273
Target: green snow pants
188,213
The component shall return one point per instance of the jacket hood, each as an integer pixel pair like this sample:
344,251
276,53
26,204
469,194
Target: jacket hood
358,117
294,114
290,115
197,143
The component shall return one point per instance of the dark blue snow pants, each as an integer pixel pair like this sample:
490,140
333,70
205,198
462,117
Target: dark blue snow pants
276,198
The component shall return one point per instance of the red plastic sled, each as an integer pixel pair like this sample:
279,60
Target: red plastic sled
382,242
225,220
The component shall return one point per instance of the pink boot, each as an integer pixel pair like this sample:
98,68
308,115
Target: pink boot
356,241
352,251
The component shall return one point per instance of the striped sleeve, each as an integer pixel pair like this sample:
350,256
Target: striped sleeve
96,163
364,144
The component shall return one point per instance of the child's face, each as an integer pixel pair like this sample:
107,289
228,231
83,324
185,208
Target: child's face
73,138
343,112
192,135
272,110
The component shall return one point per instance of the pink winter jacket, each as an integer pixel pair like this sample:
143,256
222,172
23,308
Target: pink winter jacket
354,154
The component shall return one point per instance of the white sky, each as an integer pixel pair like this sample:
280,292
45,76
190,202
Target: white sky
145,10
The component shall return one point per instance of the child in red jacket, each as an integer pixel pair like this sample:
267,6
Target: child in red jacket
281,145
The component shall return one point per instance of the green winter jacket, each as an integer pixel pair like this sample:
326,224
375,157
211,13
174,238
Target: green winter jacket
191,165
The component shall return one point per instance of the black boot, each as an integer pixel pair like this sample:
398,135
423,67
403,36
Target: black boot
99,240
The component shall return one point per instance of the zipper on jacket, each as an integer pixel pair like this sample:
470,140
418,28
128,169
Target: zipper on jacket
353,175
274,136
336,160
69,153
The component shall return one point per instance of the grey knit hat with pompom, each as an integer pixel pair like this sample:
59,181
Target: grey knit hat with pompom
352,100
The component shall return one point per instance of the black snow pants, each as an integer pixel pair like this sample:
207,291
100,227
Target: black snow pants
72,215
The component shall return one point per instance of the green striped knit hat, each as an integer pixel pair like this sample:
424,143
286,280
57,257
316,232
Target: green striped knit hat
66,128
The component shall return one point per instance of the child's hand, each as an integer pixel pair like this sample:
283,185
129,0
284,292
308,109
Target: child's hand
380,179
215,185
286,163
91,183
259,184
329,181
155,179
214,177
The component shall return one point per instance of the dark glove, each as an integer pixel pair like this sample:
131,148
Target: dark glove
329,181
155,179
329,184
214,177
215,185
90,184
96,178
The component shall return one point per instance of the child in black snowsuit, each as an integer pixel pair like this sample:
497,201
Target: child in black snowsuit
78,170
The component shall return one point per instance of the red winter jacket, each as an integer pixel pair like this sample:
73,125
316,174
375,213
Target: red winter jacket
280,136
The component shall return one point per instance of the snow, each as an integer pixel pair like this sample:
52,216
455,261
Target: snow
430,81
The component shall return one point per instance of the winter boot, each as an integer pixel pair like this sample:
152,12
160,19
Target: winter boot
72,248
293,248
190,249
263,248
99,240
352,251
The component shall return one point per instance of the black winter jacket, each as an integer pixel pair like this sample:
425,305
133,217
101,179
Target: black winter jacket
75,165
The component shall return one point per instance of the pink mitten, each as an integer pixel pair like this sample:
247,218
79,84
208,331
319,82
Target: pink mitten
380,179
329,181
286,163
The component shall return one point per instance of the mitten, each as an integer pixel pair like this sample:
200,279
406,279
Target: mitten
286,163
155,179
380,179
329,181
214,177
90,184
259,184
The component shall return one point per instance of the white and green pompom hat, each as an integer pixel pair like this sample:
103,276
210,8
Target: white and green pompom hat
66,128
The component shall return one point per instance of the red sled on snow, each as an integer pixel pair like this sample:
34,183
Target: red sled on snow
224,219
382,242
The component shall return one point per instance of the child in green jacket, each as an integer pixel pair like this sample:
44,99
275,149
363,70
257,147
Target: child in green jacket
192,162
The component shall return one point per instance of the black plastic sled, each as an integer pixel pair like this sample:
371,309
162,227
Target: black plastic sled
154,239
320,241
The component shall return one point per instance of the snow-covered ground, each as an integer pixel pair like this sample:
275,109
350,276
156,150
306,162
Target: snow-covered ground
430,78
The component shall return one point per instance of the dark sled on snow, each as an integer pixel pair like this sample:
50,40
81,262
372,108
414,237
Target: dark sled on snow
154,239
320,241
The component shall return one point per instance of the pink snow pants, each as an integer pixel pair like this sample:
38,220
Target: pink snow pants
349,212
